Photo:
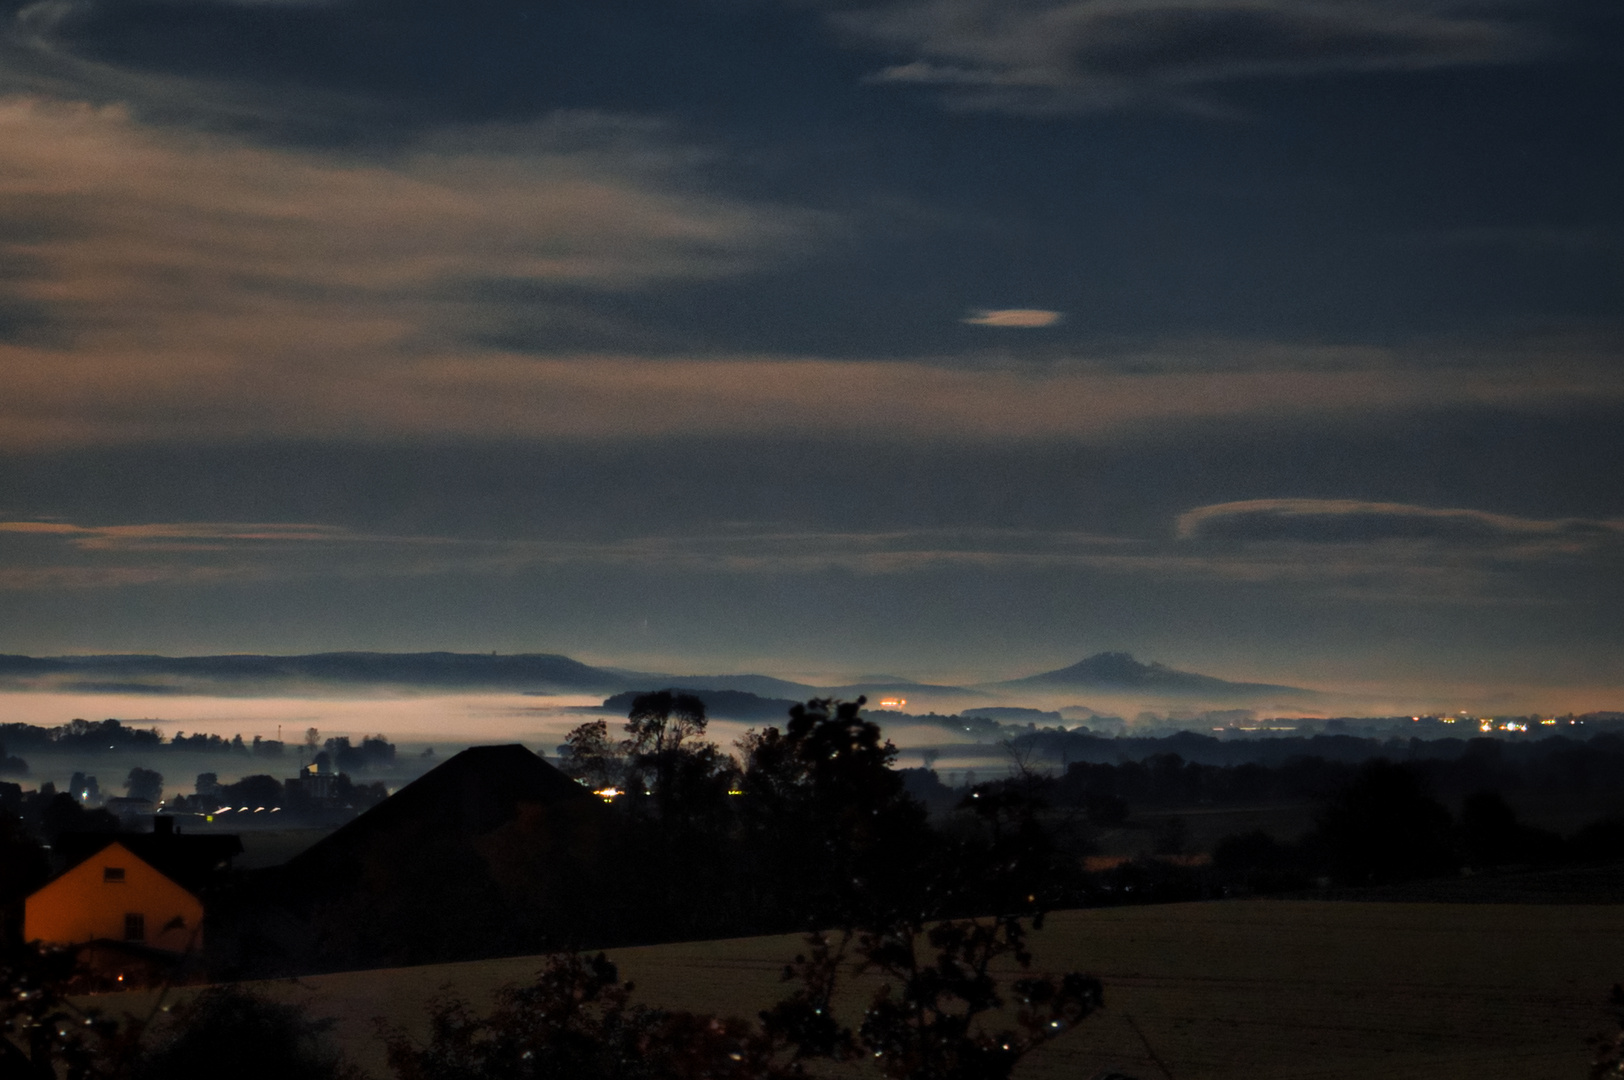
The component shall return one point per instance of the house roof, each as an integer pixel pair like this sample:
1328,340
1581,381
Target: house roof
187,859
470,794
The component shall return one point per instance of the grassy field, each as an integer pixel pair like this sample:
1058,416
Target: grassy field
1251,989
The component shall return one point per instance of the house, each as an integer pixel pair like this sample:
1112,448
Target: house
131,902
115,895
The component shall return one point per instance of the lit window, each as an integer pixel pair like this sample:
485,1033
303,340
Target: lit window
113,874
135,926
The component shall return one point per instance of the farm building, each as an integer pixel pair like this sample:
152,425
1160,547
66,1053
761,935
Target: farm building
116,896
133,899
493,851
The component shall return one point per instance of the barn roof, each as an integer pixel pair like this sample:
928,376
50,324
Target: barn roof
470,794
189,860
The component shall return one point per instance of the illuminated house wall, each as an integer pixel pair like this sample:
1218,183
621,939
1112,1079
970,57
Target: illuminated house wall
116,896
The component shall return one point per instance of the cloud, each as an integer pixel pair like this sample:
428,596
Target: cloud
1099,54
1015,318
1344,521
316,374
577,199
199,536
204,244
163,274
50,555
191,287
123,556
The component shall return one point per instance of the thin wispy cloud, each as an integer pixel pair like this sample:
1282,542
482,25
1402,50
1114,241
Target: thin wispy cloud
1063,55
1452,569
1013,318
1372,551
195,536
364,384
1353,521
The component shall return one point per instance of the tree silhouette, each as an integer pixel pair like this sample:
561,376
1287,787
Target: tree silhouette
577,1020
226,1030
588,754
830,830
145,784
656,727
1385,827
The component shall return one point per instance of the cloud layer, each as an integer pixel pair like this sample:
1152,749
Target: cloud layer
370,388
1095,54
1353,521
170,266
1364,550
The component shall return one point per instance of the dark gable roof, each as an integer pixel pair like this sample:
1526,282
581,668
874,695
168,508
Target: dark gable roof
470,794
189,860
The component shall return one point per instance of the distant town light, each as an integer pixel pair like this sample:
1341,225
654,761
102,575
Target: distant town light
894,703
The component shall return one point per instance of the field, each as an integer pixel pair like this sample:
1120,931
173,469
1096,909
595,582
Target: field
1253,989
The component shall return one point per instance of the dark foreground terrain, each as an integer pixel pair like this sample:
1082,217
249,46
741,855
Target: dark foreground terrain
1248,990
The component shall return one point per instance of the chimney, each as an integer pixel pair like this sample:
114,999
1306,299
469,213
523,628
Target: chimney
163,825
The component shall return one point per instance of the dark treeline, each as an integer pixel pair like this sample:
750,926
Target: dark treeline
11,765
1451,768
264,790
1376,822
1066,747
80,736
89,738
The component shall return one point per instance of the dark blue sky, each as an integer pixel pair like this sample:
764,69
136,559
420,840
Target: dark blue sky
963,337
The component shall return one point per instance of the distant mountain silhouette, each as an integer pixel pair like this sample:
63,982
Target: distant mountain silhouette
719,704
540,673
550,673
769,687
1119,671
431,669
759,685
